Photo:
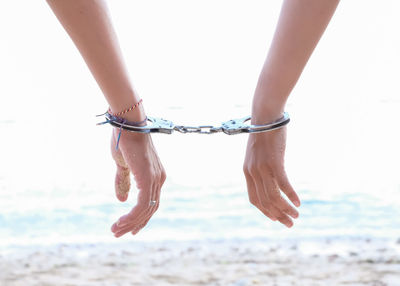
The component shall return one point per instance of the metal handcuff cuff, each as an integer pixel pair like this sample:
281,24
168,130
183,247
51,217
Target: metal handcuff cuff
160,125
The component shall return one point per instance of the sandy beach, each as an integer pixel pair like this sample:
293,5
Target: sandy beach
247,262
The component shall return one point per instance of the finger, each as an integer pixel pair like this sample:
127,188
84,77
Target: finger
133,227
126,221
154,209
266,212
139,228
136,229
262,196
154,196
271,187
253,197
141,213
122,178
129,229
121,230
266,201
286,187
138,214
122,183
283,218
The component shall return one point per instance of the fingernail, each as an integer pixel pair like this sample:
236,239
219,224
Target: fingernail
118,222
297,203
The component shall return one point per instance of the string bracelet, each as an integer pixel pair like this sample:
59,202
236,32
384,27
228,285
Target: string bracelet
126,110
122,121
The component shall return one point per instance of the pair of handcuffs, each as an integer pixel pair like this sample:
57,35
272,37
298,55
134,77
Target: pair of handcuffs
160,125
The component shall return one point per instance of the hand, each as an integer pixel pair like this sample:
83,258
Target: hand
136,154
266,177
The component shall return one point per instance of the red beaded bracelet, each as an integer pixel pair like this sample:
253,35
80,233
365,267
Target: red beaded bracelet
126,110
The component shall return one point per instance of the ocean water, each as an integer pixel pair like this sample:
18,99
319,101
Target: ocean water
343,158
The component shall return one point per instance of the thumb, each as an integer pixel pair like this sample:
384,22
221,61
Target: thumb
122,183
122,178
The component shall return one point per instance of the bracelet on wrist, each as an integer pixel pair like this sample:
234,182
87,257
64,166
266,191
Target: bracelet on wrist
125,110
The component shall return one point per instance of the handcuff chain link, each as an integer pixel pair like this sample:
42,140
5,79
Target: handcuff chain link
201,129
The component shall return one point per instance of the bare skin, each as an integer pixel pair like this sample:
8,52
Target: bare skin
300,26
149,176
89,26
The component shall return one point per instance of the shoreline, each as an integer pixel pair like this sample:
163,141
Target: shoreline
330,261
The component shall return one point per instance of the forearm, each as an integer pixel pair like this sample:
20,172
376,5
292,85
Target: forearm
88,24
300,26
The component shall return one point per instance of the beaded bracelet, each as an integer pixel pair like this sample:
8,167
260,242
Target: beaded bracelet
126,110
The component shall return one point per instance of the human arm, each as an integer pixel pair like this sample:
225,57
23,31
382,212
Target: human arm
299,29
88,24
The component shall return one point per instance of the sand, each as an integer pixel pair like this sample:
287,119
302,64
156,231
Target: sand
224,262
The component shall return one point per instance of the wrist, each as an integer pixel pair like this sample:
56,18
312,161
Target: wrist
266,109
